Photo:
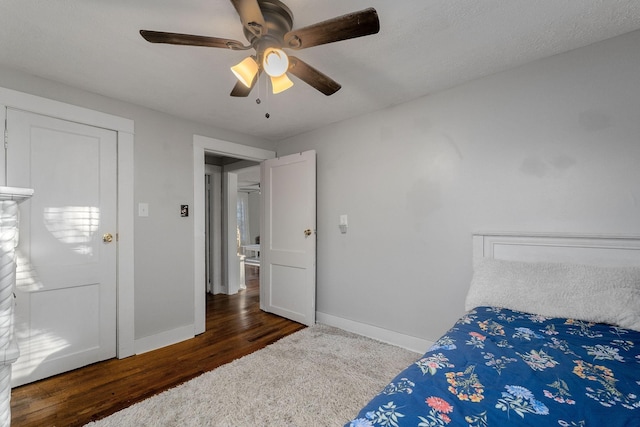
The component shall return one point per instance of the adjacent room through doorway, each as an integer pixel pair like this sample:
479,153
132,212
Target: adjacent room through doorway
232,225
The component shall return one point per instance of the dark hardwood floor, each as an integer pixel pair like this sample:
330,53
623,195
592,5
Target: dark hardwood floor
235,327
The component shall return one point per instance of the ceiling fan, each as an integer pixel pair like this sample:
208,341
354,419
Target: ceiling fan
267,25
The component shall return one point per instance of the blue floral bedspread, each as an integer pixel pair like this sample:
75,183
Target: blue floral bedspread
499,367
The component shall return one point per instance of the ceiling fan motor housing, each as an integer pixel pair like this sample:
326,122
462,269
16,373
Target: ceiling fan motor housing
278,20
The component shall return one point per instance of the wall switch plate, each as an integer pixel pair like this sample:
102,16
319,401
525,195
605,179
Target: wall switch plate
343,223
143,209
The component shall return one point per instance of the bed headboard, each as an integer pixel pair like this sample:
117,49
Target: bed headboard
609,251
591,278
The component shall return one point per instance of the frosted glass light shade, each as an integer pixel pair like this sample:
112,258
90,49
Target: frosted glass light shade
246,70
281,83
275,62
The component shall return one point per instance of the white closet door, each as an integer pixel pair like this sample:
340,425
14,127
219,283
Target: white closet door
66,285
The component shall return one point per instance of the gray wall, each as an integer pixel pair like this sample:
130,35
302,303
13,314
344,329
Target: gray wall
553,146
163,165
254,215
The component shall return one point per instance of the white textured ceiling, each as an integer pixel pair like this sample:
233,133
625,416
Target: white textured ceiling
423,46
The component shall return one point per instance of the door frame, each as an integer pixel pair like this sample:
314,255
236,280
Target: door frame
124,128
202,145
213,227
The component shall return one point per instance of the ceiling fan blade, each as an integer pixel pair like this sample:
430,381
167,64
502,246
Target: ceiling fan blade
240,90
251,16
313,77
191,40
349,26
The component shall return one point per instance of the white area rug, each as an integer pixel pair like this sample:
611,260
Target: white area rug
320,376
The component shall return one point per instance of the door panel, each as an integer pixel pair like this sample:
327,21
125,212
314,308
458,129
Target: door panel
288,254
66,281
78,336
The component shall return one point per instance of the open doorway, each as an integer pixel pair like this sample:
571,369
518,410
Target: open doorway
232,223
202,146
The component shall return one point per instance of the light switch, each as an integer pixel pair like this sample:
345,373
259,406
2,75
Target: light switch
343,224
143,209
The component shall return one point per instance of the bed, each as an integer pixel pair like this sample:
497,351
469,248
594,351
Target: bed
551,337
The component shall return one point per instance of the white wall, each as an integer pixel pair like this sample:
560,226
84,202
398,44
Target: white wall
553,146
164,299
254,215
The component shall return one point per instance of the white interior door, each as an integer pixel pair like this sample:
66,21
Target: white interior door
288,240
66,285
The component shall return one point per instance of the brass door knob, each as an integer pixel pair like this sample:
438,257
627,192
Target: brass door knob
107,238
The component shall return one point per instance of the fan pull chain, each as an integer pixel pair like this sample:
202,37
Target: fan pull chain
258,100
266,94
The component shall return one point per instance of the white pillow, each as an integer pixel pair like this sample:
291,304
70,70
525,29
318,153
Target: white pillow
595,294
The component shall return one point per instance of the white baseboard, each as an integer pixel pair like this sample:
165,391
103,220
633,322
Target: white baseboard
417,345
163,339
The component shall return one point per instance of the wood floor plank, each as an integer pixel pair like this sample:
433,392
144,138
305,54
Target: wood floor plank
235,327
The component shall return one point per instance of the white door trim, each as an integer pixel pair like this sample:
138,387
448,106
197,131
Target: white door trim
202,145
125,131
231,270
214,221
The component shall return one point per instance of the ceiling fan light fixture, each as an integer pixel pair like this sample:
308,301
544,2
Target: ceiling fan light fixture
268,27
280,83
246,70
275,62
